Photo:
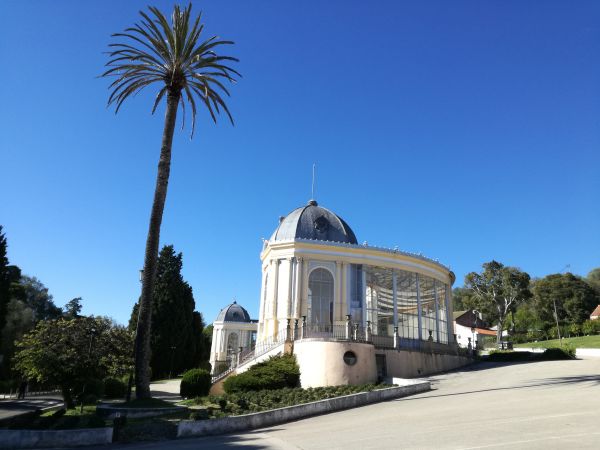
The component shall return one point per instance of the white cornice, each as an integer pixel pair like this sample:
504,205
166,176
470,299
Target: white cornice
358,246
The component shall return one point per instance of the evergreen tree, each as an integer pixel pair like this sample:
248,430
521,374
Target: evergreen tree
177,340
72,309
9,275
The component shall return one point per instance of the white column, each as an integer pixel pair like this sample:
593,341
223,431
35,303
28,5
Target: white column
419,314
275,299
449,318
337,291
343,292
297,287
288,309
304,296
364,296
437,311
395,296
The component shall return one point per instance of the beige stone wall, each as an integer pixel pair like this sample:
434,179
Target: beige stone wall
322,363
407,364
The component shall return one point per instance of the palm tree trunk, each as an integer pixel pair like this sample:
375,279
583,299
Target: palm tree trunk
144,325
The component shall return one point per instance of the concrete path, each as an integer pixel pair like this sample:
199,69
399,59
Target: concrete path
166,389
541,405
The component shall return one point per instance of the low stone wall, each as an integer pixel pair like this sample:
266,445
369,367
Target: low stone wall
110,412
188,428
587,353
10,439
408,364
579,352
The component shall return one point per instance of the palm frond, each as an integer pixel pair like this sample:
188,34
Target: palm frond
156,50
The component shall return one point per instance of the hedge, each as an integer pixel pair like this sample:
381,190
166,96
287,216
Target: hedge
275,373
195,383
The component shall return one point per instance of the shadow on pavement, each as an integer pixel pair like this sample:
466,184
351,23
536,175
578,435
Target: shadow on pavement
595,379
247,440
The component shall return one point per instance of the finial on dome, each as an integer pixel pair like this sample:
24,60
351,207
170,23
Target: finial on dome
312,202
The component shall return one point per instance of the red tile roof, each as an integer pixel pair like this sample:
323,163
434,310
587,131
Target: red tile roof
485,332
596,312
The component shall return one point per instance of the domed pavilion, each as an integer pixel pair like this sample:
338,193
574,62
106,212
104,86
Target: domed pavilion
351,313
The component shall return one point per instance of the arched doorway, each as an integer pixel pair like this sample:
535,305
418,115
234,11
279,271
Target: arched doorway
320,297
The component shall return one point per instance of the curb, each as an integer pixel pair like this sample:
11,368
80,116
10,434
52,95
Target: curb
55,438
110,412
190,428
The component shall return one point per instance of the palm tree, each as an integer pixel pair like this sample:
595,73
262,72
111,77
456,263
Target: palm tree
187,70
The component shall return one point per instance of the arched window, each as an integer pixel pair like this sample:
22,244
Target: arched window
320,297
232,344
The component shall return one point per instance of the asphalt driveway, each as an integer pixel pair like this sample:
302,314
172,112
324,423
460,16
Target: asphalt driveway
539,405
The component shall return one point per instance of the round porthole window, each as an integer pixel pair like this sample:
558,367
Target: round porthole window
350,358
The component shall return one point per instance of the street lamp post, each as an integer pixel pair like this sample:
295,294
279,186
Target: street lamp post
172,359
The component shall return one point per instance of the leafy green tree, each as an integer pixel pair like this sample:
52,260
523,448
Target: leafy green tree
72,309
497,290
187,69
67,353
462,299
525,318
593,278
35,295
574,298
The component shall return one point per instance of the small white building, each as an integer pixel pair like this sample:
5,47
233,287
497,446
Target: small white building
233,333
469,329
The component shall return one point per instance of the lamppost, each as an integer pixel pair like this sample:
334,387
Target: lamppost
473,328
172,359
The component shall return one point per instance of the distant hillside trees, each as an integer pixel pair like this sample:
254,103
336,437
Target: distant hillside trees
574,298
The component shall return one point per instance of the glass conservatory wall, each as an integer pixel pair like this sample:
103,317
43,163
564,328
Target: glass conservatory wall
443,311
356,292
408,315
428,307
380,300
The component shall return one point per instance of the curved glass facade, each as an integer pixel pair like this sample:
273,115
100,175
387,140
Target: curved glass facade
415,303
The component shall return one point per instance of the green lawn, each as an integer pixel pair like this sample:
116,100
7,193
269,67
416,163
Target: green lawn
577,342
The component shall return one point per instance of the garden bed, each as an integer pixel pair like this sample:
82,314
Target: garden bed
216,406
235,423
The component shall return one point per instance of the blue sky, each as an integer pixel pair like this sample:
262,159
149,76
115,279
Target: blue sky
467,131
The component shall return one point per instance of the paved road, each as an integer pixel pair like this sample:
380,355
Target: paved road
521,406
10,408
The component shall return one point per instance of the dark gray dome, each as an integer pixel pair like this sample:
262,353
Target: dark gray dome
233,313
314,222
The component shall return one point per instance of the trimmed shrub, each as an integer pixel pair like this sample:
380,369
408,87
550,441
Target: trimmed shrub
509,355
275,373
114,388
566,352
195,383
200,414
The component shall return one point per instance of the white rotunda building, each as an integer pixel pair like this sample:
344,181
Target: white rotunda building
350,312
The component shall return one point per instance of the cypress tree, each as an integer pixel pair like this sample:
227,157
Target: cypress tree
177,342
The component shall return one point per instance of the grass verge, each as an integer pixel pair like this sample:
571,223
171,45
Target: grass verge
576,342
